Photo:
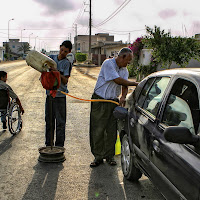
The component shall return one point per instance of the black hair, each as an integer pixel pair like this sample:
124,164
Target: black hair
67,44
3,74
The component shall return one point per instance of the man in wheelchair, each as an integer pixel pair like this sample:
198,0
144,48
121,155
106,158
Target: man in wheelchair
5,93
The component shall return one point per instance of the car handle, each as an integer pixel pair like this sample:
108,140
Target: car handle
156,146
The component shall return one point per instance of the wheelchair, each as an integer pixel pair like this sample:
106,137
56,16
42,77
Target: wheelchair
10,109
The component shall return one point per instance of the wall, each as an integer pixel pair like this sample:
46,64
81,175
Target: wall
145,57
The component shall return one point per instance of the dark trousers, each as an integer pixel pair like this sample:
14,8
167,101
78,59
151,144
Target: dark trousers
103,129
58,120
3,116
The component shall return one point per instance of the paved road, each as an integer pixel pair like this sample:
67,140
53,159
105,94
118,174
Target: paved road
23,177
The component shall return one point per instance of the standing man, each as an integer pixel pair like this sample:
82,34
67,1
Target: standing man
5,86
59,102
112,81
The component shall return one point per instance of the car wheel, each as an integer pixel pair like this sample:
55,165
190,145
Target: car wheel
127,161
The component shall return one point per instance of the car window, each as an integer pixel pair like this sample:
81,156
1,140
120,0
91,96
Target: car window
145,91
155,94
182,108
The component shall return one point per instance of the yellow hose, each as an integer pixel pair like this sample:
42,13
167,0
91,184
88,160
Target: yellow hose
93,100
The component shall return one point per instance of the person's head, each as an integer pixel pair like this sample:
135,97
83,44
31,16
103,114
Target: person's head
124,57
65,48
3,76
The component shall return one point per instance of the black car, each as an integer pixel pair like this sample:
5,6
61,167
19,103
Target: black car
160,132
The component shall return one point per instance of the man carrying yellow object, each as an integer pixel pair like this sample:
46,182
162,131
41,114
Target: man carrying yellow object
112,80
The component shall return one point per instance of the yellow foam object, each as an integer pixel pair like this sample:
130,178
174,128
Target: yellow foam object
40,61
118,146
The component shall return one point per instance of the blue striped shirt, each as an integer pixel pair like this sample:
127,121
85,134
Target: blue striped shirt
105,86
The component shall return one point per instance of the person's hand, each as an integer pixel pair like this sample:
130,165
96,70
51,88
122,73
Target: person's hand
122,101
22,110
52,68
137,83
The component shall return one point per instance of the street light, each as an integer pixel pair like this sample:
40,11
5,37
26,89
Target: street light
35,43
30,38
21,34
8,27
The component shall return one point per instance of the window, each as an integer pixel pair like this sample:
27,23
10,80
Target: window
145,91
182,108
152,93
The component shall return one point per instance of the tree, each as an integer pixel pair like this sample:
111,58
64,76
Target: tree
7,54
167,49
24,48
136,47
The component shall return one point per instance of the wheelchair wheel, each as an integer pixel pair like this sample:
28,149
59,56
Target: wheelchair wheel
14,119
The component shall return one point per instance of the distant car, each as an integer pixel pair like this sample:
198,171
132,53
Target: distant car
160,132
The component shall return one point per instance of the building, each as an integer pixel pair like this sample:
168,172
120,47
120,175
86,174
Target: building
102,46
15,48
82,41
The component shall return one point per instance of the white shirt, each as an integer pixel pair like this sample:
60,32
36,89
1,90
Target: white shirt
105,86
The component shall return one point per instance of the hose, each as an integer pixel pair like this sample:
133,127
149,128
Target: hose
91,100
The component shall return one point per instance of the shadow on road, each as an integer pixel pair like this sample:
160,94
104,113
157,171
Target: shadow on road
44,182
6,143
104,183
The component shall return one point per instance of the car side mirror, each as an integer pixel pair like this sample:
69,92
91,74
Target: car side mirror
120,112
180,135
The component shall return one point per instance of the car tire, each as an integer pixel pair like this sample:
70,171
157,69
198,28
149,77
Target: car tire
127,161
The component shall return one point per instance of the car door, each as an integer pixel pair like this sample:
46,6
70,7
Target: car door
179,164
147,107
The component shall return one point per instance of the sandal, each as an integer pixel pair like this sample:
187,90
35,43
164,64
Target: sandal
96,163
111,161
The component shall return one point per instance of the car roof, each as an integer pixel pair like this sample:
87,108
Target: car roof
193,73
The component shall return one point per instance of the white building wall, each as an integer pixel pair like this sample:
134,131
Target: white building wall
145,57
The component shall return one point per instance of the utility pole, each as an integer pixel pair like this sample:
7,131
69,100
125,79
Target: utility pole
75,38
90,29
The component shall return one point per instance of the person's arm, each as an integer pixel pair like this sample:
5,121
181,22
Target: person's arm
20,105
122,99
64,79
124,82
14,96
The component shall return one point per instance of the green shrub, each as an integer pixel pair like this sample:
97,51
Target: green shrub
80,57
132,70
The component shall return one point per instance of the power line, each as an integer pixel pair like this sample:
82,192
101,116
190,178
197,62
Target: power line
80,13
38,29
118,32
114,13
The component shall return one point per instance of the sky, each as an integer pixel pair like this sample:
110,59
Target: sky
46,23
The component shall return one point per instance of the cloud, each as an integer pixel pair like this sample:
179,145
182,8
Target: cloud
167,13
56,7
